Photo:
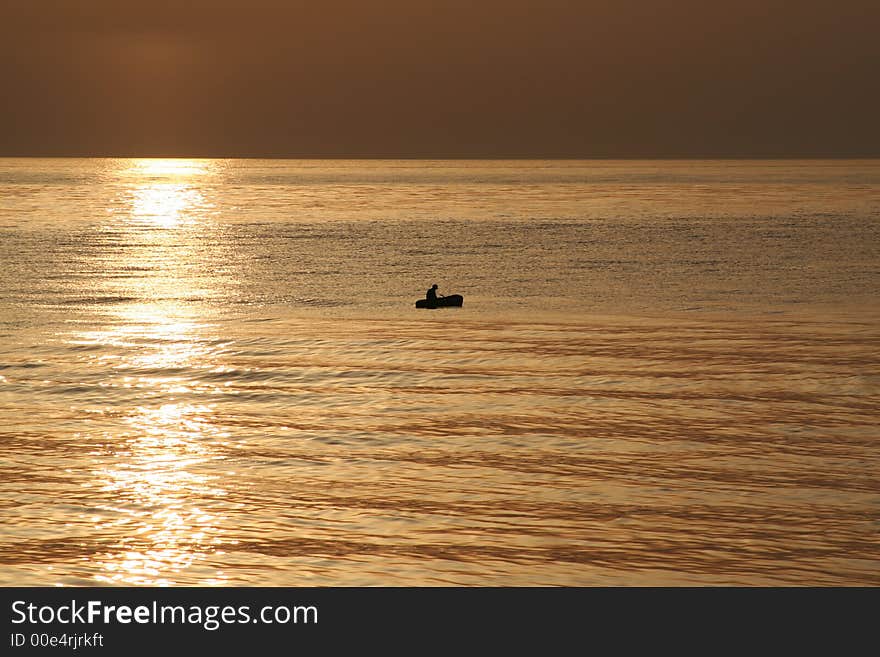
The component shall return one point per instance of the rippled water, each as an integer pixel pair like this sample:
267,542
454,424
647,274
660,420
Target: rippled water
211,372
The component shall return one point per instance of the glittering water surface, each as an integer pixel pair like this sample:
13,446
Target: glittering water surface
211,372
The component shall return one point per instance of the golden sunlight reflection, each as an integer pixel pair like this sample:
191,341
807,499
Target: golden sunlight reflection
172,167
163,498
161,479
160,469
164,195
164,204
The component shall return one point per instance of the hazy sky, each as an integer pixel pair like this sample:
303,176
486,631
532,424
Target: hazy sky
583,78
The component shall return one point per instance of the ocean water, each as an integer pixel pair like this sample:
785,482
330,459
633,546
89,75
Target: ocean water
664,373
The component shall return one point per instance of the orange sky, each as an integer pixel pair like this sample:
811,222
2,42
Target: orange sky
582,78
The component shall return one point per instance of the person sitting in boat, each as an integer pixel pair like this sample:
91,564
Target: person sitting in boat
431,294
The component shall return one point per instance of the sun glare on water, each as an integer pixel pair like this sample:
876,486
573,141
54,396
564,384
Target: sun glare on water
164,205
164,193
173,167
159,479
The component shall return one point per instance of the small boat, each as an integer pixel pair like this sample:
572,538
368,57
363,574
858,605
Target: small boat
450,301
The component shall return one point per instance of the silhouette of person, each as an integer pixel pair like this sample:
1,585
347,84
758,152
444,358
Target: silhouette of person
431,294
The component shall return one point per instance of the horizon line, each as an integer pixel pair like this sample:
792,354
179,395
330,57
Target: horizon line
447,156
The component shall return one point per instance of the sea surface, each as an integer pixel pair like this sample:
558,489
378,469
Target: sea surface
664,373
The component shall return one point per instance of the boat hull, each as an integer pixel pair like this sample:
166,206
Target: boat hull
451,301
